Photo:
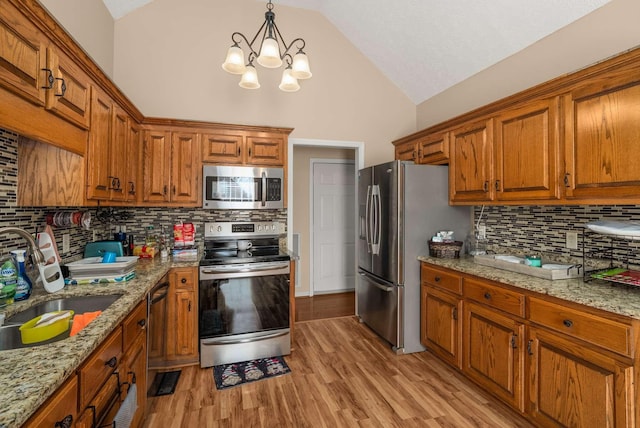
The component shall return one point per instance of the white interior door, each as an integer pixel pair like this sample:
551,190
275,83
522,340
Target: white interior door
333,224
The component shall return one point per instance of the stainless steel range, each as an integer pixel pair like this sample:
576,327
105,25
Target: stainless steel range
243,293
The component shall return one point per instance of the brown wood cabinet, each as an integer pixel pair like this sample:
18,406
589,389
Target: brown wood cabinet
557,363
471,163
61,409
171,167
182,317
244,148
98,161
424,149
602,130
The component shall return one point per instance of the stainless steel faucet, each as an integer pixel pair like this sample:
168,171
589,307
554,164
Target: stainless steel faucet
38,257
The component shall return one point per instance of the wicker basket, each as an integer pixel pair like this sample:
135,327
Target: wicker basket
445,250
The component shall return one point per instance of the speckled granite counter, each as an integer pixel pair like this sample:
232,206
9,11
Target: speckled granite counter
29,376
616,298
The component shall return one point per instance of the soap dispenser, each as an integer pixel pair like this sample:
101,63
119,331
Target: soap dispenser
23,286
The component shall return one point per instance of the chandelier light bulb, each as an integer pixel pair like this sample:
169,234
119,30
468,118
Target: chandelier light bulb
270,54
234,63
300,67
288,82
250,78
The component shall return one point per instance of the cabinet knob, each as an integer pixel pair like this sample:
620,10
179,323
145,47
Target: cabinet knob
437,279
142,322
183,280
67,422
568,323
487,296
113,362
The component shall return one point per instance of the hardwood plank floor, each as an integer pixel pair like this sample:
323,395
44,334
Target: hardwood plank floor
343,375
325,306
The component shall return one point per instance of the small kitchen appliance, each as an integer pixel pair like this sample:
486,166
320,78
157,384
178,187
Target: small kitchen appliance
243,294
242,187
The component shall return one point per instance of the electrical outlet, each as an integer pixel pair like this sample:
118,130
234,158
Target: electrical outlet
482,231
572,240
66,245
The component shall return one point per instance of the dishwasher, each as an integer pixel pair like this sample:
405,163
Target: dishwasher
157,338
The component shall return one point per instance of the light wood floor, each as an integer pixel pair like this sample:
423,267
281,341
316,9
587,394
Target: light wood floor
342,375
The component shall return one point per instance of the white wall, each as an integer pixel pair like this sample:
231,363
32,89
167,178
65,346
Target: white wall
90,24
168,58
605,32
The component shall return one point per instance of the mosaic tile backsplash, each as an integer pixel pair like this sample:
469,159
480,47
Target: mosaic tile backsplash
104,221
542,230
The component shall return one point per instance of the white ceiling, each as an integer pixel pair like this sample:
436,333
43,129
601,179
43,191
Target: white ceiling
427,46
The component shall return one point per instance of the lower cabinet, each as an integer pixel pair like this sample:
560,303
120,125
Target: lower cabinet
557,363
60,410
182,319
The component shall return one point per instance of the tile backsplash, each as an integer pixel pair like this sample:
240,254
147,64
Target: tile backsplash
104,221
542,230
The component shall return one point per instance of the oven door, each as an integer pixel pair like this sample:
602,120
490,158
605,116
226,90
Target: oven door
243,312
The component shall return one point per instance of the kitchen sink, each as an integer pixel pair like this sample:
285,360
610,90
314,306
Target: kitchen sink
10,334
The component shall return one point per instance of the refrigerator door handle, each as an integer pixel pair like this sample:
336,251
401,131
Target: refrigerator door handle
382,287
367,220
377,224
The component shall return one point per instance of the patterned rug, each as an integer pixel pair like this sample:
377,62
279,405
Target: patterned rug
228,375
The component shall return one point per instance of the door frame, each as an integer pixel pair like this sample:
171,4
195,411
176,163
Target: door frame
312,163
330,144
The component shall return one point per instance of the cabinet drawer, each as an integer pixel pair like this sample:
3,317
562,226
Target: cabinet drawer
135,324
60,407
441,279
612,335
100,407
99,366
185,278
497,297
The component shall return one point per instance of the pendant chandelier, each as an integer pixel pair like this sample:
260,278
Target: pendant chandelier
272,52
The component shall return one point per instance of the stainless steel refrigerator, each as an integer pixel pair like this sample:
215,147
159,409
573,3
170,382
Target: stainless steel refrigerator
401,205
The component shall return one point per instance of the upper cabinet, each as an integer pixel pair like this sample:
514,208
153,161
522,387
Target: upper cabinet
424,149
572,140
471,163
244,148
602,133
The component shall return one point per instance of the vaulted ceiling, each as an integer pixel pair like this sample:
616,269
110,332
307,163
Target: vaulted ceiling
427,46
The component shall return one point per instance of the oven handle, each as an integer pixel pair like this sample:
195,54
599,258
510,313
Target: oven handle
245,269
264,189
213,342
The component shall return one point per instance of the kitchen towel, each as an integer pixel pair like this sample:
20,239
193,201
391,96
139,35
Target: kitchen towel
228,375
124,417
80,321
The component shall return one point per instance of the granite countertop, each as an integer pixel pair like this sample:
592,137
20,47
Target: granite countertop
30,375
616,298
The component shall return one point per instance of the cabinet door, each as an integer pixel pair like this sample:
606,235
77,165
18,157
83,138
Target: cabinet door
265,150
225,148
22,56
132,160
470,166
493,353
70,96
602,135
407,151
433,149
118,154
440,330
135,362
572,385
183,336
527,152
185,171
156,166
98,149
60,409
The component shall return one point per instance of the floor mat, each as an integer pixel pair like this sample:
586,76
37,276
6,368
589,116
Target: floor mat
228,375
166,382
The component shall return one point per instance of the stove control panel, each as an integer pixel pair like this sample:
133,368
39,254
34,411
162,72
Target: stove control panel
240,229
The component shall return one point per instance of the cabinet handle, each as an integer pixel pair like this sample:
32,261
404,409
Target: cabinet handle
173,189
249,151
238,151
485,186
530,347
63,87
164,190
454,314
133,377
113,183
487,296
189,306
66,422
49,79
113,362
497,185
132,188
514,345
118,184
142,323
566,180
568,323
183,280
437,279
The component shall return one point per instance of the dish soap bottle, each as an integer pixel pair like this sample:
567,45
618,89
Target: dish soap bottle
23,284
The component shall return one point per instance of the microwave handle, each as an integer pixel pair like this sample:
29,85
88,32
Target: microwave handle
264,188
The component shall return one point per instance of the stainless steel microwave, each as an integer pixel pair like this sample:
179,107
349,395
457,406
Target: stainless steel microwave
242,187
